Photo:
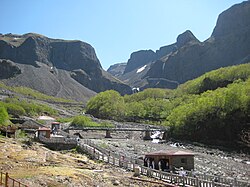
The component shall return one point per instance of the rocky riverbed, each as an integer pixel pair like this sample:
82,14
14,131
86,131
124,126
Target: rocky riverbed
209,161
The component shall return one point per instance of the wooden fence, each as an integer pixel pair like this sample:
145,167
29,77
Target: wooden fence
129,163
7,181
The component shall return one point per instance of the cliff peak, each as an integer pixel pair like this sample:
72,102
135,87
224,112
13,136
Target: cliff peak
185,38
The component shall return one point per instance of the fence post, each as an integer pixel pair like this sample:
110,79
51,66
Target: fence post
183,180
98,155
197,181
160,174
6,179
213,183
1,177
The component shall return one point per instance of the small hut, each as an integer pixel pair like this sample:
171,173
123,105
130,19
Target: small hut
9,130
169,160
45,132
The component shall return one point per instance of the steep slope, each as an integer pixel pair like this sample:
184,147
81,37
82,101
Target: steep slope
188,58
56,67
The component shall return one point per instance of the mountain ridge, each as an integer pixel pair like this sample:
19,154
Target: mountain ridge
189,58
55,67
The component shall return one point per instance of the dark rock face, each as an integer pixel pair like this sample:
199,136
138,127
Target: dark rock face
139,58
185,38
67,55
77,57
189,58
165,50
8,69
228,45
117,69
156,76
232,21
143,57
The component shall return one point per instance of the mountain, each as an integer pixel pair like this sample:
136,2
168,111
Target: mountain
117,69
64,68
189,58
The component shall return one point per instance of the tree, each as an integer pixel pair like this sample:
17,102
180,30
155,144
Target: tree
108,105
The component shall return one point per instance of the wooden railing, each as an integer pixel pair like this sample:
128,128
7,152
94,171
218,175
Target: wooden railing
130,163
7,181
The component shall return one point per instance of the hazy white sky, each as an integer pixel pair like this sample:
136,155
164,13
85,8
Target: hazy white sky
115,28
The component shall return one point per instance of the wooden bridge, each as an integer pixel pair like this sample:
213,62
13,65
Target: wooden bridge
109,130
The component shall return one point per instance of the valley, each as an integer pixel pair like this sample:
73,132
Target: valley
62,114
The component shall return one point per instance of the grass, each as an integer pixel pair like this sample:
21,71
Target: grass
22,107
65,120
33,93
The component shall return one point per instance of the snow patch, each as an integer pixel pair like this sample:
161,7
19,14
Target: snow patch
141,69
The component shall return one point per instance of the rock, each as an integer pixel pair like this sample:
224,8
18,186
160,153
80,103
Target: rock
139,58
185,38
116,182
82,161
8,69
117,69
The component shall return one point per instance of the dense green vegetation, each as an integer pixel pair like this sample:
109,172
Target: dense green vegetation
213,108
32,93
3,116
215,79
84,121
18,107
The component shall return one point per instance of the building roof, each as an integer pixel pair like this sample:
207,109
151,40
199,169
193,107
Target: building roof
170,153
43,129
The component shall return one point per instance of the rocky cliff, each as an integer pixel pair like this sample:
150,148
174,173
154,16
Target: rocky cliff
49,59
117,69
189,58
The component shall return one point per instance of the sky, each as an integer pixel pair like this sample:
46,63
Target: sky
115,28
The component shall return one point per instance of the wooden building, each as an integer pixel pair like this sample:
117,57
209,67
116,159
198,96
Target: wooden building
169,160
45,132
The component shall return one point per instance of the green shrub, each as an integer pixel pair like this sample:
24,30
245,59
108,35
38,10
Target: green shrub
14,109
84,121
21,107
4,117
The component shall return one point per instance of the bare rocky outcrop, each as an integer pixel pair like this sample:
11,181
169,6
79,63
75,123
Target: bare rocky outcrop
8,69
117,69
139,58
